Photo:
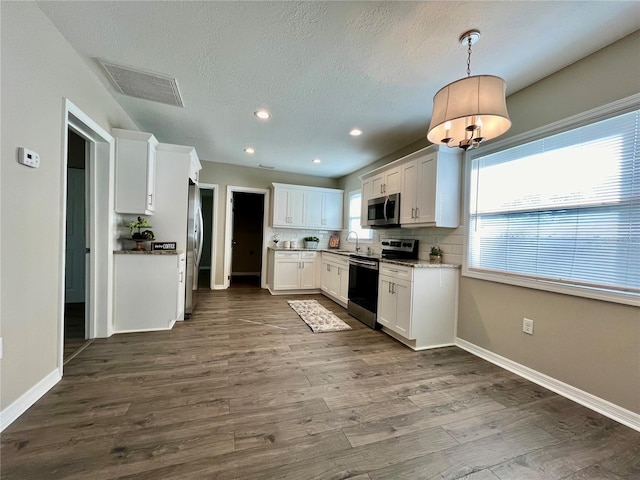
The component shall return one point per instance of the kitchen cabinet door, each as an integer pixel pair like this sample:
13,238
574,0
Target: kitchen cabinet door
366,194
147,292
135,165
313,208
386,302
286,273
307,274
343,284
402,292
332,210
386,182
425,193
288,207
409,192
325,281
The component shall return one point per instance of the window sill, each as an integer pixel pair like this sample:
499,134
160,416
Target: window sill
566,289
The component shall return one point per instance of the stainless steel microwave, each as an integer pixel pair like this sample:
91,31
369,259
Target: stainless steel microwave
384,211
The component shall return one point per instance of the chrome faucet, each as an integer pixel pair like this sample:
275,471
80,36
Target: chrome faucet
357,247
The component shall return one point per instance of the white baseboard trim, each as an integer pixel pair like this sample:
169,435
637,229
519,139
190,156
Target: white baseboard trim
219,286
597,404
27,399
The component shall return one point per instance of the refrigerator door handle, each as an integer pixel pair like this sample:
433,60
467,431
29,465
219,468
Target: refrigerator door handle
199,236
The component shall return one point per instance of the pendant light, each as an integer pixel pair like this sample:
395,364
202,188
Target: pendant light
470,110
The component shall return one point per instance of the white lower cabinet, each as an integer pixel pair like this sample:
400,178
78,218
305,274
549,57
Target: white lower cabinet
296,270
335,277
148,291
418,306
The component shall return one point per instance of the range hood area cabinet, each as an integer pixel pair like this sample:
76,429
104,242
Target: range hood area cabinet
297,206
135,165
429,187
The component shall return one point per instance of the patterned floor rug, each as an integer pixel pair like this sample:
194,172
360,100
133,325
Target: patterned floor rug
318,318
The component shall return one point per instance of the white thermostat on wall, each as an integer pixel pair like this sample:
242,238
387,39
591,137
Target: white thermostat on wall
28,157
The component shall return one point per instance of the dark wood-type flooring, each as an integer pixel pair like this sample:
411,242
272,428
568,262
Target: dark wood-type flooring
244,390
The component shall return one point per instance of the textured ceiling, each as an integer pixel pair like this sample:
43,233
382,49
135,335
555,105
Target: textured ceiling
322,68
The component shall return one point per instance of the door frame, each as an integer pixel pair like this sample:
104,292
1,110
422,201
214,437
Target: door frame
228,231
101,169
214,229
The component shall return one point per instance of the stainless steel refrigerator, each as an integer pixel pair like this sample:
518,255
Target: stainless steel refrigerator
194,248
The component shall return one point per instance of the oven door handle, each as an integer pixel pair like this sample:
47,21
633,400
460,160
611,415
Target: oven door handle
386,201
363,263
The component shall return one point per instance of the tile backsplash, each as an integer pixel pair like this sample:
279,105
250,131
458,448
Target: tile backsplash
450,240
298,235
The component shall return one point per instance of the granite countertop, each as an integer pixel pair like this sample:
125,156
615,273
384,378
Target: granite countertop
147,252
420,264
348,253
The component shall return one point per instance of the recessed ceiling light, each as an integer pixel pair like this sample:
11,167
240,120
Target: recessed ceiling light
250,150
355,132
316,160
262,114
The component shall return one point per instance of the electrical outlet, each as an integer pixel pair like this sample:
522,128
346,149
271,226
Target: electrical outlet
527,326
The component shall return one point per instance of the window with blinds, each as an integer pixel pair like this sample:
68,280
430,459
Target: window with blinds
564,209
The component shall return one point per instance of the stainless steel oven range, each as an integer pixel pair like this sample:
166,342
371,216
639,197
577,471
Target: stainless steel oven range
363,278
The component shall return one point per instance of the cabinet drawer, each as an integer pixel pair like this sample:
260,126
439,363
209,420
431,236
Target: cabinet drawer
340,260
308,254
396,271
289,255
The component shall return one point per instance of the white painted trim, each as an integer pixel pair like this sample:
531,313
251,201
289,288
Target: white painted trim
28,398
218,286
229,227
214,229
100,267
597,404
609,110
138,330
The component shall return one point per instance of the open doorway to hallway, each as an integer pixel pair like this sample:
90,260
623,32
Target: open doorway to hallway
206,261
75,303
247,238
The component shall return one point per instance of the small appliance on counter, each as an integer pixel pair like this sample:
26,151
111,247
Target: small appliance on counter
364,274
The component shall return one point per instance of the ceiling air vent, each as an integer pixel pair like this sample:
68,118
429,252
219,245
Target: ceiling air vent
145,85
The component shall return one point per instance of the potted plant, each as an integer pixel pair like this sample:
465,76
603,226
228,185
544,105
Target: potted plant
311,242
435,255
140,223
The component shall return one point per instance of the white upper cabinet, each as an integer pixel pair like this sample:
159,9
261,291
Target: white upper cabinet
386,182
176,165
365,195
288,206
429,185
135,161
431,189
298,206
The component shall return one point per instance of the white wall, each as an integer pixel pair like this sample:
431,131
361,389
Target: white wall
39,69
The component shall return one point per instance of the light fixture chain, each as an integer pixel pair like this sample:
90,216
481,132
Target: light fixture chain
469,57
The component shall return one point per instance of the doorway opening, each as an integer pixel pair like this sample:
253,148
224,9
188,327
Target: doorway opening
246,239
204,275
75,293
245,245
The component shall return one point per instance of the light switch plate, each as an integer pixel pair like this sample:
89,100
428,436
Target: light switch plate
28,157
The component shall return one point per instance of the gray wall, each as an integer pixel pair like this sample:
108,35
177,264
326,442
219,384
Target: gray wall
589,344
39,68
224,174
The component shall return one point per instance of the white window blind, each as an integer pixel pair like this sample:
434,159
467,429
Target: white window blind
562,209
